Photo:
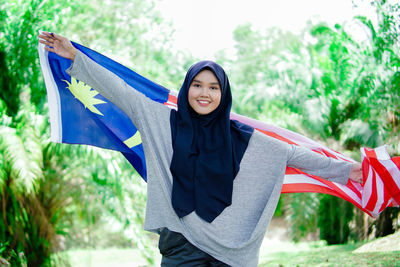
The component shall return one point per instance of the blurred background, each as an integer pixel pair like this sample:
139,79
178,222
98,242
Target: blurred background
328,69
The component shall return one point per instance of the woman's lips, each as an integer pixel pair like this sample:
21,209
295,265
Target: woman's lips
203,103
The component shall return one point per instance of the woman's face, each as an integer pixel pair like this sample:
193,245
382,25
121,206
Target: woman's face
204,93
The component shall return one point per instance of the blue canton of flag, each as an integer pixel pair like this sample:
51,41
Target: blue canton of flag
80,115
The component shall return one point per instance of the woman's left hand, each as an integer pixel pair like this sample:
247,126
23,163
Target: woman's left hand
58,44
356,173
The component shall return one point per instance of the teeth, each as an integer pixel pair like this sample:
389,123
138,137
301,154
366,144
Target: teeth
203,102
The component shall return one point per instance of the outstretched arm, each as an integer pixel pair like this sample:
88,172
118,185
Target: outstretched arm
324,167
58,44
135,104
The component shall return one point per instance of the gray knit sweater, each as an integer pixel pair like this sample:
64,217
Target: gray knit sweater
235,236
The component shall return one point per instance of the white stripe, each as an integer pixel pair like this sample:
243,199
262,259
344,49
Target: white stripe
362,150
53,96
367,191
381,153
350,193
171,106
385,160
380,194
393,170
301,179
304,179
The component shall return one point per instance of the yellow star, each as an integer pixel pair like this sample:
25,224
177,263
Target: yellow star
85,94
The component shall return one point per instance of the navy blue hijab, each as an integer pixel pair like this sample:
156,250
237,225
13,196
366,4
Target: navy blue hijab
207,150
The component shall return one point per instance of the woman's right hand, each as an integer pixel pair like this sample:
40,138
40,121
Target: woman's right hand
58,44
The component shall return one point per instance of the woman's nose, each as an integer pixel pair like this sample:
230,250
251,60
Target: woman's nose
204,90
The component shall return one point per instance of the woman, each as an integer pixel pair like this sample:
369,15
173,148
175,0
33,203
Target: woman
212,183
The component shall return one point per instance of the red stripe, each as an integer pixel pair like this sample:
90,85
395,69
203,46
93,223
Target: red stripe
312,188
386,198
373,198
370,153
318,151
170,105
387,179
365,170
341,193
351,186
172,99
291,170
331,187
277,136
307,188
329,154
385,175
396,161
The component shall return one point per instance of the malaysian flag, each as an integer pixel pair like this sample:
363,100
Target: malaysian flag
75,122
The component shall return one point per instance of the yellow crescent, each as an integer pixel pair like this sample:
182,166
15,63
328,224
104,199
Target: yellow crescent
134,140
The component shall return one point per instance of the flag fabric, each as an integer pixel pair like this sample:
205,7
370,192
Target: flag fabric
75,120
381,174
104,126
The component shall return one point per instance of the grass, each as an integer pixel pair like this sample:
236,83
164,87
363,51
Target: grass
278,250
274,252
336,255
106,258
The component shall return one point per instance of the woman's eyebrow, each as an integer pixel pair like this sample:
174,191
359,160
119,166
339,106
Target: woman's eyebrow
197,81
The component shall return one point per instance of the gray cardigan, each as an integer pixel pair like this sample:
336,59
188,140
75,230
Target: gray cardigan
235,236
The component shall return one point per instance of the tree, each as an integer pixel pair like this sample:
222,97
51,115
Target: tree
42,199
327,84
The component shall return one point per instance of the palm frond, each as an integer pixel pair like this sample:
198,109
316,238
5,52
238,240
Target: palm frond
24,169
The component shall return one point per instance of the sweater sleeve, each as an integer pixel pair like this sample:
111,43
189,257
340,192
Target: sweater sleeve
316,164
130,101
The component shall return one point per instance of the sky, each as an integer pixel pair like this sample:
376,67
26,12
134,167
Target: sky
206,26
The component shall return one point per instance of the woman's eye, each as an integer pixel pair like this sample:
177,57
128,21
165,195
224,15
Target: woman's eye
196,85
214,88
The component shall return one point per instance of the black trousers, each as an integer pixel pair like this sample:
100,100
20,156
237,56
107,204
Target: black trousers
177,251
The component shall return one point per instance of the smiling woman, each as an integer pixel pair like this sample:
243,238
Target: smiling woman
212,183
204,93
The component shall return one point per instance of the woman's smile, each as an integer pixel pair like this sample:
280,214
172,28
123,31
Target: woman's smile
204,93
203,103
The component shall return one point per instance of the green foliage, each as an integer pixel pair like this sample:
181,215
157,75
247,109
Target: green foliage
334,215
300,212
379,76
20,75
329,84
60,196
51,192
133,33
26,229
